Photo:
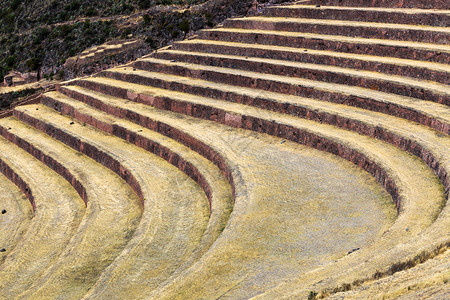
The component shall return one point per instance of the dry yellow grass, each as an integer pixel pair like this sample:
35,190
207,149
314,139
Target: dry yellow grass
411,184
59,211
427,280
175,208
94,246
231,144
34,85
15,221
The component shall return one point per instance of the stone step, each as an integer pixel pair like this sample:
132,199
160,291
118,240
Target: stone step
428,4
204,108
159,129
201,271
176,210
388,48
426,143
427,17
381,82
59,210
181,286
208,176
388,65
16,213
424,112
225,246
351,28
238,121
109,201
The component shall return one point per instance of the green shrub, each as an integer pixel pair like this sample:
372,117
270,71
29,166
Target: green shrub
15,4
147,20
126,8
3,72
312,295
42,33
91,11
64,30
72,51
33,64
10,61
73,6
184,26
54,4
149,40
209,20
144,4
126,32
60,75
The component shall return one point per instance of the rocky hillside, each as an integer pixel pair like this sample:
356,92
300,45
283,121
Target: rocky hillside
42,34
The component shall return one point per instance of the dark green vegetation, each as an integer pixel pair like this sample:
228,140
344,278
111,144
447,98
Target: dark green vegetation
8,98
37,34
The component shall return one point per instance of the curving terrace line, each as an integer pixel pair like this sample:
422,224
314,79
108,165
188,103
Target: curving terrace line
382,64
200,169
175,217
58,213
348,118
401,49
428,17
109,201
16,215
215,136
394,84
427,113
372,30
410,195
427,144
